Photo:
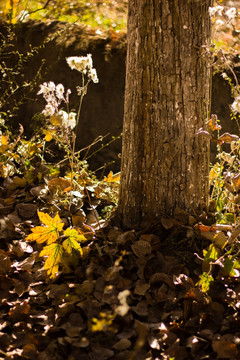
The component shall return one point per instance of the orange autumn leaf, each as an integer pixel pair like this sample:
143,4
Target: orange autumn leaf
236,182
48,135
58,183
112,177
4,140
48,233
227,138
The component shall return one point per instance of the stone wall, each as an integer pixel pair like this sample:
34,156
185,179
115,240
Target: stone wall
102,110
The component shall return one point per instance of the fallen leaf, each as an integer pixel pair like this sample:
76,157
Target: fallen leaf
225,349
141,248
227,138
112,177
48,233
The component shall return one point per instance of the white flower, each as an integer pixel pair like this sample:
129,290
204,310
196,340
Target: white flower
231,13
80,63
89,61
64,117
49,110
59,91
46,88
51,86
93,75
236,105
72,120
219,23
68,119
43,89
216,10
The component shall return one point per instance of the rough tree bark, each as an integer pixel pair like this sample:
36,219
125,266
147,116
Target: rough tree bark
167,95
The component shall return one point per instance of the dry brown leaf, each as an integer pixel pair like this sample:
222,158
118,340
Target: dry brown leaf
19,312
227,138
122,344
29,351
58,184
5,263
141,248
219,240
167,223
161,278
141,308
225,349
141,287
236,182
26,211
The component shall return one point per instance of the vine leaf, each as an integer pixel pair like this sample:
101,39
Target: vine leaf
48,233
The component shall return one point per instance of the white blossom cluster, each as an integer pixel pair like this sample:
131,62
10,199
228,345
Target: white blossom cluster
54,95
220,11
84,64
236,105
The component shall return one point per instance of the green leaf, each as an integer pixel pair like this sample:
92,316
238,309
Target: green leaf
205,281
228,267
236,264
211,254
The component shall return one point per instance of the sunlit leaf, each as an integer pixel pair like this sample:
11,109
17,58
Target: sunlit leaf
229,267
4,140
54,254
112,177
70,244
74,234
236,264
211,254
56,120
58,183
205,281
48,233
48,135
227,138
213,174
103,323
236,182
213,123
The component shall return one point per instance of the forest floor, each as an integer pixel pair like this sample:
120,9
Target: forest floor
131,295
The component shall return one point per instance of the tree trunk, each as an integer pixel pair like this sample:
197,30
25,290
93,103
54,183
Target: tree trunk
167,96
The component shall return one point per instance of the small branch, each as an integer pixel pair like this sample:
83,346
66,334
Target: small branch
42,8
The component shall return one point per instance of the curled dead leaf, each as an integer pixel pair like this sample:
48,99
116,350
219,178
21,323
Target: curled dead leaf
167,223
227,138
141,248
161,278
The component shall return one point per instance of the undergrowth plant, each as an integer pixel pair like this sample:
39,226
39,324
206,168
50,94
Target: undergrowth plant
24,161
222,257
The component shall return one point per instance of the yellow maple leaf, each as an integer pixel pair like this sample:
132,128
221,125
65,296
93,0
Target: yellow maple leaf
72,241
49,232
74,234
54,254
